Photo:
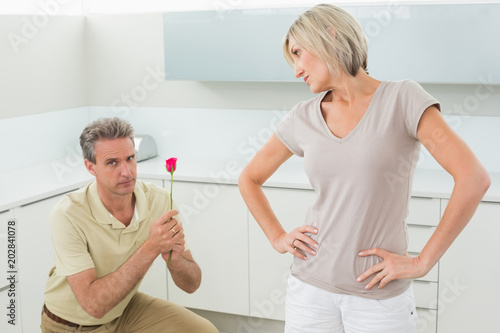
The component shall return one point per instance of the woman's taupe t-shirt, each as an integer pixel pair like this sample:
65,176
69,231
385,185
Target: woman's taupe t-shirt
363,184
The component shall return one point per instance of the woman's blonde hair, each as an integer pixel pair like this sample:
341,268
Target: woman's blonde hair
333,35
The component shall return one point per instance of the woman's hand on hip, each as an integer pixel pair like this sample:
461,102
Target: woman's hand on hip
393,267
297,242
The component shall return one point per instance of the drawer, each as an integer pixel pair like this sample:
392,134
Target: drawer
424,211
425,294
427,321
418,237
3,249
433,275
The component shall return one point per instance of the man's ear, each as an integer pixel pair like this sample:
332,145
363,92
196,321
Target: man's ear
90,167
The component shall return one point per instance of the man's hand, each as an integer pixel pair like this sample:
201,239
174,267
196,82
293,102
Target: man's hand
98,296
166,234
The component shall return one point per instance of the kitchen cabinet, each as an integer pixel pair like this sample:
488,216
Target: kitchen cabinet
269,270
469,298
245,44
4,218
215,221
423,217
427,43
35,258
236,45
8,290
5,327
154,282
244,275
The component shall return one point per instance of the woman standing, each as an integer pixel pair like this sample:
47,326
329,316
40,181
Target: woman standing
360,140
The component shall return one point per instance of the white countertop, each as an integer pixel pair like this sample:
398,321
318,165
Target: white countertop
24,186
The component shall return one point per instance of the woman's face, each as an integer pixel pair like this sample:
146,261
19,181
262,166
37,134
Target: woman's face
311,68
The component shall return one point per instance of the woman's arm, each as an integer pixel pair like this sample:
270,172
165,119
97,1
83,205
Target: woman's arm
259,169
471,183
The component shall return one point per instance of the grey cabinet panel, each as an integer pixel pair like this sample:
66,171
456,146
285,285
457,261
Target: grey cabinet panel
240,45
427,43
437,44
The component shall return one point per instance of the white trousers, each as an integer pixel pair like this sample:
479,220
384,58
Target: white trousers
313,310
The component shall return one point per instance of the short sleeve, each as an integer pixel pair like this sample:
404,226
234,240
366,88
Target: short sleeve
414,101
285,132
71,255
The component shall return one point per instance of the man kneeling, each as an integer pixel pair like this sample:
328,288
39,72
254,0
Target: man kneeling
106,236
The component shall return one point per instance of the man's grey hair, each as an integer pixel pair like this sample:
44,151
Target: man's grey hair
103,128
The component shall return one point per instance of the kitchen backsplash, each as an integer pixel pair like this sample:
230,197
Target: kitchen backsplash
214,133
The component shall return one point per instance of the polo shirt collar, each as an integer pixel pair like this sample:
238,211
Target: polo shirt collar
103,216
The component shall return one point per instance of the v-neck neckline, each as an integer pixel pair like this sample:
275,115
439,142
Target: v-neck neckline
327,129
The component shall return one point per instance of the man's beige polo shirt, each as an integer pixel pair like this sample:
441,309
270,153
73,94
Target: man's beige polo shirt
85,235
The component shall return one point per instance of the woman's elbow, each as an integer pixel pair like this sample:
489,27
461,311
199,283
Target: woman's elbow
476,182
484,181
244,180
479,181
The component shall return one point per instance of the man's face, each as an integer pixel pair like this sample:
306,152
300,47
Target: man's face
115,168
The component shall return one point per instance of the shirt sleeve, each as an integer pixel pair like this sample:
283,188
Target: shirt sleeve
285,132
71,255
415,100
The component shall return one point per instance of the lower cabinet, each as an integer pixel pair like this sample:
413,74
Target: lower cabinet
154,282
215,221
269,269
469,298
10,321
35,259
427,321
243,275
423,217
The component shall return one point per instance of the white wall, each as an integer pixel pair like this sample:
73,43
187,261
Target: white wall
40,138
42,61
40,7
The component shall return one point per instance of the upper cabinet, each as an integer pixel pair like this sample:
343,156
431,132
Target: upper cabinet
434,43
427,43
236,45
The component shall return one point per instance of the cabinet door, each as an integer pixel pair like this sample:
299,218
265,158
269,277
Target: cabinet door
424,215
188,33
35,258
215,221
436,27
469,297
154,282
4,219
269,269
9,299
